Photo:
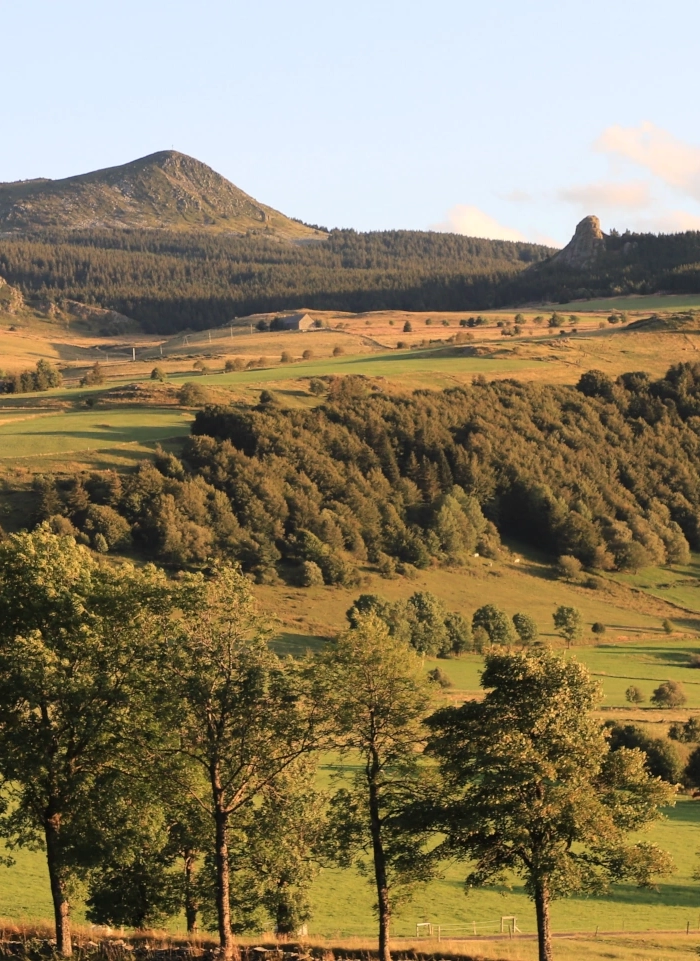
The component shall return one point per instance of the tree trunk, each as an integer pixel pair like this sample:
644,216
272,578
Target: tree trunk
191,903
544,934
383,903
61,907
223,903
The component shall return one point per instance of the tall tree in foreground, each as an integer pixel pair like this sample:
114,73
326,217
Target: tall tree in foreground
378,695
75,637
232,709
531,786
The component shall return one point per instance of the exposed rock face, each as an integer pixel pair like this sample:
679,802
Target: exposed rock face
587,244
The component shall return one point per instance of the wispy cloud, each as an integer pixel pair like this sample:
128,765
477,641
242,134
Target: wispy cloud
673,161
633,195
468,220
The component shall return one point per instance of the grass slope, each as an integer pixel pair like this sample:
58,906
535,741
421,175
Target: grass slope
164,189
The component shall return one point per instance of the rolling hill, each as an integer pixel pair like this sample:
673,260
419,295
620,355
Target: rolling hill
166,190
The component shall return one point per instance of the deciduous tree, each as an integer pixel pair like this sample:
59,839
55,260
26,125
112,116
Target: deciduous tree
531,786
378,695
75,640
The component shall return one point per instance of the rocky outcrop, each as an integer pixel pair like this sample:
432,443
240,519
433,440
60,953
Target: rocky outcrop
584,248
11,299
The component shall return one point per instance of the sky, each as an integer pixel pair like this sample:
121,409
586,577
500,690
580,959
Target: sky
503,119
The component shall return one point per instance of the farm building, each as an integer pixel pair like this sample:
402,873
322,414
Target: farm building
299,321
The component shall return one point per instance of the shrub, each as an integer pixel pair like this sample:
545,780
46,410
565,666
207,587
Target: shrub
439,677
662,758
667,626
526,628
694,660
569,567
158,374
631,556
669,694
94,377
598,628
192,395
286,357
317,386
480,639
100,544
495,623
386,565
407,327
688,733
692,769
338,351
310,575
569,623
459,632
236,364
307,354
634,695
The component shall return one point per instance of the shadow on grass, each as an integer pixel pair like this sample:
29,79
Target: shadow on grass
296,645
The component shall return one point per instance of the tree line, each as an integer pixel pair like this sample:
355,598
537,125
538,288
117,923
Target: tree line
605,474
632,263
157,749
43,377
171,281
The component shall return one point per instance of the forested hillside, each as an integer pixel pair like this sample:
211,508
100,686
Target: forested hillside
607,472
629,263
171,281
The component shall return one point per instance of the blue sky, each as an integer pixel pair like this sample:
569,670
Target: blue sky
501,118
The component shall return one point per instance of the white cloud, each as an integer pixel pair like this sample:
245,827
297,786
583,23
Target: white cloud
633,195
673,161
468,220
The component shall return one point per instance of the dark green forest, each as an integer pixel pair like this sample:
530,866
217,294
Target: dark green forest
607,472
630,264
171,281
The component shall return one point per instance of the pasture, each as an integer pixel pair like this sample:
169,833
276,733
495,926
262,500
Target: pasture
342,899
34,434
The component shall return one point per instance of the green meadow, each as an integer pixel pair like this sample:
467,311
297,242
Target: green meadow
386,364
679,584
39,433
647,302
343,899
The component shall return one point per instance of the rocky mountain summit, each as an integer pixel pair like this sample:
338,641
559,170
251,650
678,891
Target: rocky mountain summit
585,247
163,190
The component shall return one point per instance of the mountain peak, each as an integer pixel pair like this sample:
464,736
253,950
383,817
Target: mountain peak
585,246
166,189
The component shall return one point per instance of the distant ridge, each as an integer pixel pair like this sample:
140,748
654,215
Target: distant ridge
166,190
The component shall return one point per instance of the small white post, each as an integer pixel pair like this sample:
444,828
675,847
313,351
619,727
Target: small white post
133,353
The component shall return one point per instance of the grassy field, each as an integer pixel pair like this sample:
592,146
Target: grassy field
342,899
647,302
35,434
679,584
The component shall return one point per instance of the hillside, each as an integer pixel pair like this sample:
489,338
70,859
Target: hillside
172,280
594,264
164,190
